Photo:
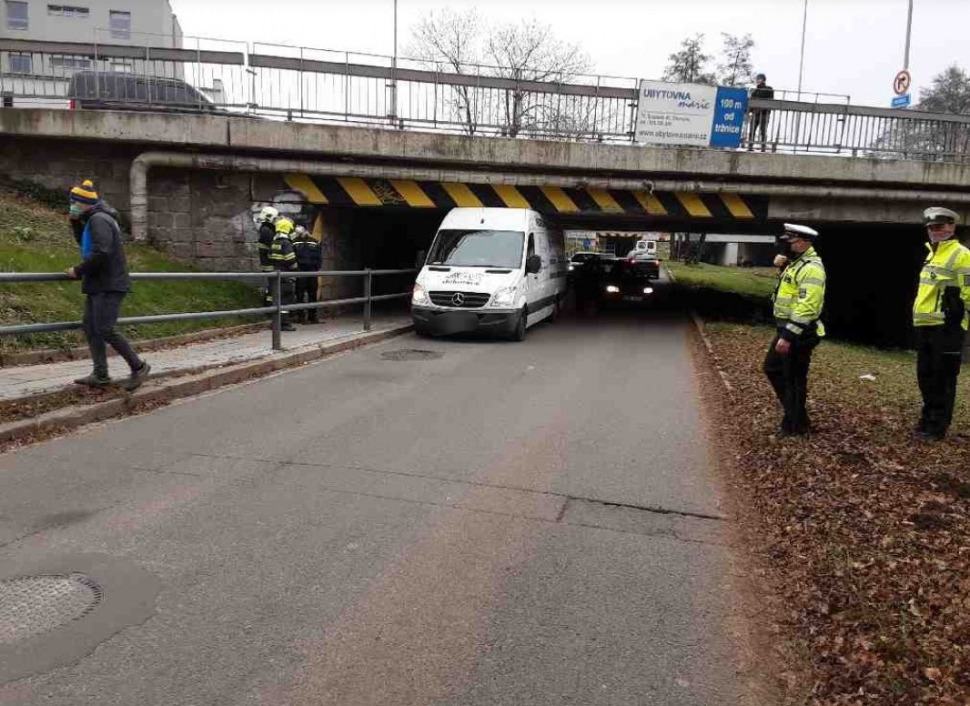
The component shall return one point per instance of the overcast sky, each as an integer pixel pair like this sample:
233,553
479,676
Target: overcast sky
852,47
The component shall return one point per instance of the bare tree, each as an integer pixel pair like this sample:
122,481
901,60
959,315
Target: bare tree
689,65
530,52
735,68
522,52
449,41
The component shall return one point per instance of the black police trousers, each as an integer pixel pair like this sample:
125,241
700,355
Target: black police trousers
788,375
938,358
306,293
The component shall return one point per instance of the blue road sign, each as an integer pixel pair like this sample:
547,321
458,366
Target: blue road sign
730,107
902,101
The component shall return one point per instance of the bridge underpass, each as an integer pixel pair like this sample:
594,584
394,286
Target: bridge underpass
390,221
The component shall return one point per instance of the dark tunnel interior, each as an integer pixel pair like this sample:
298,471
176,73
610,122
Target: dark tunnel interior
872,269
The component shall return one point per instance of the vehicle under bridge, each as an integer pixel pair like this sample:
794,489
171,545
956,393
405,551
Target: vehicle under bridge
386,222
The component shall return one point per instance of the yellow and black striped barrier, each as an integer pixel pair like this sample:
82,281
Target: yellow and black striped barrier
406,193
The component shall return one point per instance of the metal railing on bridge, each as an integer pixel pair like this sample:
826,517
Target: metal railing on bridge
274,280
314,85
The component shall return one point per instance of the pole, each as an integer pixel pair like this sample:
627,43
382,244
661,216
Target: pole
368,288
801,61
277,289
394,70
909,31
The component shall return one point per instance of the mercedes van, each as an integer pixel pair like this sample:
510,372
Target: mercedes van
497,270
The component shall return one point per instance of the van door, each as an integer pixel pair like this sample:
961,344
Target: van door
533,282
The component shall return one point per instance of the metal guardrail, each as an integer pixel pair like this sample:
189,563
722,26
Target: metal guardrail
274,281
313,85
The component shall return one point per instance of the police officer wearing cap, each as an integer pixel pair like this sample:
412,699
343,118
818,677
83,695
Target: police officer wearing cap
798,302
940,315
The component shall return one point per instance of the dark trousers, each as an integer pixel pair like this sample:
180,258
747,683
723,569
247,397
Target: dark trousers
939,355
100,316
759,127
788,375
306,292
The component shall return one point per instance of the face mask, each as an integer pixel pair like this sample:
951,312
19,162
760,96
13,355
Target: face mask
76,211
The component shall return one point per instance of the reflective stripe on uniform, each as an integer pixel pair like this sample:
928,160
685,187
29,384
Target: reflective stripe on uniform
795,328
817,281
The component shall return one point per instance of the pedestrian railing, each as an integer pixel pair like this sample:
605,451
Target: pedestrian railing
273,280
316,85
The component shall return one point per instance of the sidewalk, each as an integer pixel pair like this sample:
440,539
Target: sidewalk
31,380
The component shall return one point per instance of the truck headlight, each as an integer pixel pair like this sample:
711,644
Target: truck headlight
504,297
612,289
419,296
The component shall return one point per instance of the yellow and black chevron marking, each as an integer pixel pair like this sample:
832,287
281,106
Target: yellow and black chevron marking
354,191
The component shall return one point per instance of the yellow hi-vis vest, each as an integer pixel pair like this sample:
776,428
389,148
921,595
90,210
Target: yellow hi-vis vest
949,266
800,296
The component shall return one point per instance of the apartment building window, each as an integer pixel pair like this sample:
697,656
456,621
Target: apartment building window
120,24
21,63
122,66
17,17
81,13
70,62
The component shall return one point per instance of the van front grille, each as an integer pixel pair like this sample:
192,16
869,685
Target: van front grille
460,300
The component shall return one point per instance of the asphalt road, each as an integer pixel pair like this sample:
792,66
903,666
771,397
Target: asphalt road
534,523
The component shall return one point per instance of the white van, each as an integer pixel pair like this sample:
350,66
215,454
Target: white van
495,270
647,246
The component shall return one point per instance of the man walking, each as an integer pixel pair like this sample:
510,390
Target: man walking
759,117
105,282
798,302
940,315
309,258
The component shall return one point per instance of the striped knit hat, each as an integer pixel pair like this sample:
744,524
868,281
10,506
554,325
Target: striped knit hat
85,193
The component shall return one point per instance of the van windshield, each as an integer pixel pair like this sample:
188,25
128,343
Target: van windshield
478,248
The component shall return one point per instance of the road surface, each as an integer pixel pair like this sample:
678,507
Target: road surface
534,523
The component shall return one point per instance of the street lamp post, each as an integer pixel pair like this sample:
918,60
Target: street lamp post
801,60
394,71
909,31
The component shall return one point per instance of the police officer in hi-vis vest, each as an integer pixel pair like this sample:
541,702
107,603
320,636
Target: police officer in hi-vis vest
798,302
941,318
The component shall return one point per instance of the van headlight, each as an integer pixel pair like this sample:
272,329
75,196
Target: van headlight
504,297
419,296
612,289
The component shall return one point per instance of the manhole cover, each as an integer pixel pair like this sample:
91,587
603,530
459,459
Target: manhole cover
411,354
33,605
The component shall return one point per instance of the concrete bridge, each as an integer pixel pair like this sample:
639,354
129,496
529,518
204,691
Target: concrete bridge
189,183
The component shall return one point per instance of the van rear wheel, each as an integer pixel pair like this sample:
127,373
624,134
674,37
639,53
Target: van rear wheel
518,333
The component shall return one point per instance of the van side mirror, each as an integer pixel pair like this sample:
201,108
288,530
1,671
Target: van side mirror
419,261
533,264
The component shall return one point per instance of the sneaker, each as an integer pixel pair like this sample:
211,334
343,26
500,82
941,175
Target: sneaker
138,377
930,437
93,380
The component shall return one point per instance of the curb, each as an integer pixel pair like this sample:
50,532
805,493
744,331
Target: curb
51,355
171,389
699,324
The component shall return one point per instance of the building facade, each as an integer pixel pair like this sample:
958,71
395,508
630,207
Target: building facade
45,75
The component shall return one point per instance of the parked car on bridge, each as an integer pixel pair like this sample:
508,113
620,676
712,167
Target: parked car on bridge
93,90
496,270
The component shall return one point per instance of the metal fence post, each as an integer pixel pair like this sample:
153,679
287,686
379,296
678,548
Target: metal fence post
368,280
276,286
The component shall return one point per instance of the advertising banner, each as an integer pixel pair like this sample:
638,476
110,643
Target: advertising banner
690,114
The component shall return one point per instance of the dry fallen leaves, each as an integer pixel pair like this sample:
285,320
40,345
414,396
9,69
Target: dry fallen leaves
865,532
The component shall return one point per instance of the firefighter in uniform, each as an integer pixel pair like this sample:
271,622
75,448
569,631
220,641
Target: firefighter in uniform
798,302
309,258
283,259
266,223
940,315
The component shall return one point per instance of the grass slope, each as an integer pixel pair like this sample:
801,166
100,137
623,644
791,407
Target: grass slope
747,281
37,238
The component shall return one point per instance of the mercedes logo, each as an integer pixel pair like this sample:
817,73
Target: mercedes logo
457,298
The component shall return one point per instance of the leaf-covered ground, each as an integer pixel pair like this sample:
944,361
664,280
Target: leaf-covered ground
863,529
